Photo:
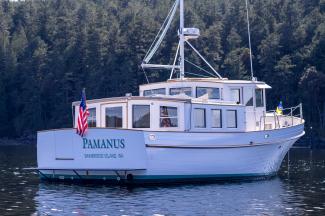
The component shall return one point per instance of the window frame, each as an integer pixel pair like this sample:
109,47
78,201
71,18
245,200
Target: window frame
262,97
236,117
110,107
204,118
152,90
143,105
239,94
250,101
168,117
196,92
90,122
220,114
170,89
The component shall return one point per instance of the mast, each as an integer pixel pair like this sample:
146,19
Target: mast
185,34
249,42
181,38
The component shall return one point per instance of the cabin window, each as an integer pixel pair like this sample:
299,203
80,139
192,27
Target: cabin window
213,93
216,118
168,116
160,91
113,117
92,117
185,90
250,97
259,98
232,118
235,95
199,118
141,116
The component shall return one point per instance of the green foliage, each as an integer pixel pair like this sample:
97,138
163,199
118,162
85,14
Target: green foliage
50,50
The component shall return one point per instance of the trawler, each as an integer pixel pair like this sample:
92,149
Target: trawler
183,129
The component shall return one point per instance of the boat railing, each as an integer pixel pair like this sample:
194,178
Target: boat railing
289,117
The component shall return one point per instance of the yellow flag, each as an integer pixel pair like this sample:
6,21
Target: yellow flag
279,108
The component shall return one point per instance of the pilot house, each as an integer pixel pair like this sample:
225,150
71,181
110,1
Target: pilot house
209,104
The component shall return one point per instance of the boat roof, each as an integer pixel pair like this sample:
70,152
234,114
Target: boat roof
125,98
211,80
176,98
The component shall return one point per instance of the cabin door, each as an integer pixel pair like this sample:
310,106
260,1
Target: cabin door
250,109
64,145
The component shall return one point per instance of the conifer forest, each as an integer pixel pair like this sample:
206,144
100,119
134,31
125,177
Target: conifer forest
51,49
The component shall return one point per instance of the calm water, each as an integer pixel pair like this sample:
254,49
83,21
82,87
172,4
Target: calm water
298,190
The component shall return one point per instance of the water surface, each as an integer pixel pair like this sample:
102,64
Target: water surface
299,189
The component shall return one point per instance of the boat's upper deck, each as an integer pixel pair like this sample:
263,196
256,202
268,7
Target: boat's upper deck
197,105
208,88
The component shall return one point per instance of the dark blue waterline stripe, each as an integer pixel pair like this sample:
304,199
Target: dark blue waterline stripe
155,177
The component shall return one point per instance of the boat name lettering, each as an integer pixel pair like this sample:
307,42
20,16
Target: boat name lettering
103,143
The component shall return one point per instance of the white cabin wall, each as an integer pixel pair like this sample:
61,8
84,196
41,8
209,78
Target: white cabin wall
155,114
252,114
241,118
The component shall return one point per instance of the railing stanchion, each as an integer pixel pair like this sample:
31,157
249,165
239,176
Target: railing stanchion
301,115
291,117
264,114
286,117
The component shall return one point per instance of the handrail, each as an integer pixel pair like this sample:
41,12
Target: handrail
277,116
289,108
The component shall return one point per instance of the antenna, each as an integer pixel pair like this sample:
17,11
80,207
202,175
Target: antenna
249,42
181,38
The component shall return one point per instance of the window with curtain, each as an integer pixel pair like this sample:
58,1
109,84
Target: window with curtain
232,118
168,116
199,118
216,118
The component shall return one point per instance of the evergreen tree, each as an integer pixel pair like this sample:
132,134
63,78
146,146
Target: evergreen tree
50,50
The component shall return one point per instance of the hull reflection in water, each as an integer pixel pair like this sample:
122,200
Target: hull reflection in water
251,198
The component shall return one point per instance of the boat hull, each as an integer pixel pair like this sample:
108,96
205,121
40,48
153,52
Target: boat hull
180,157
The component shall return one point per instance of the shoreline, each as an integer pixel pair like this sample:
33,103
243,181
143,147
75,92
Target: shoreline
26,140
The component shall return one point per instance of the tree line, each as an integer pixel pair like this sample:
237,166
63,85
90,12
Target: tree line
50,50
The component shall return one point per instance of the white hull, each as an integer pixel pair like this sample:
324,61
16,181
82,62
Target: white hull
175,156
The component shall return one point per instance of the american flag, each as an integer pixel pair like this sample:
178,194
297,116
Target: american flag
83,115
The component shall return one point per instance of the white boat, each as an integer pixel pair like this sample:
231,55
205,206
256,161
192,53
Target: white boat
183,129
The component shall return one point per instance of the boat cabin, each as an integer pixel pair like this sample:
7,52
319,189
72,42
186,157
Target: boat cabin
196,105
